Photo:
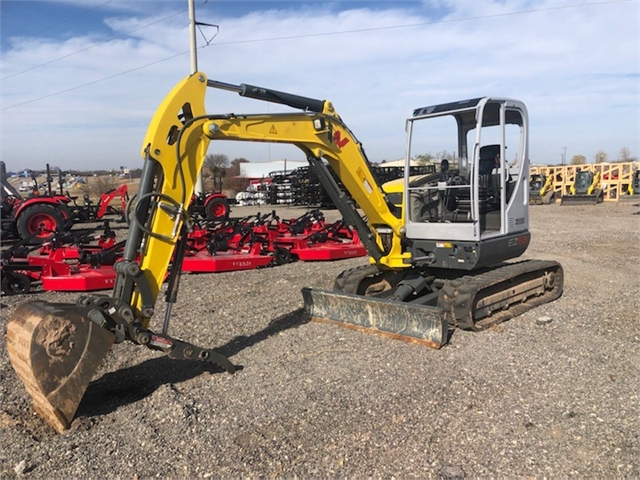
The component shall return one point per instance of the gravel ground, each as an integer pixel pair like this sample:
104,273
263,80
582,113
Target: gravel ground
315,400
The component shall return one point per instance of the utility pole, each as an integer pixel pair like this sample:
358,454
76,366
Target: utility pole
193,46
193,54
564,155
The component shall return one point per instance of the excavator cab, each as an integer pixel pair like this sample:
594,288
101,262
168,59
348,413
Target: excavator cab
479,202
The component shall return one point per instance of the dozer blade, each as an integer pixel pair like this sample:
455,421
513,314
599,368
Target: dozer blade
55,351
412,323
579,200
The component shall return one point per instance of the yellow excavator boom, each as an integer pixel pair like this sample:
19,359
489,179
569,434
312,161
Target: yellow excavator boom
324,136
56,348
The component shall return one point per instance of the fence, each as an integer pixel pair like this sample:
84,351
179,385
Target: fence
616,178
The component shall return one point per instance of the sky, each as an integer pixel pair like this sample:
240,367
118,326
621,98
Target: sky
81,79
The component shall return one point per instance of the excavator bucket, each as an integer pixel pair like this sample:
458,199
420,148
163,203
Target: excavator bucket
419,324
55,350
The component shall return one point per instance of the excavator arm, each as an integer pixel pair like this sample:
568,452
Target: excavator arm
318,132
174,150
56,348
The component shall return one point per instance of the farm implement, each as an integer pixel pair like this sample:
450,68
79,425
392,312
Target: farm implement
68,262
259,241
90,212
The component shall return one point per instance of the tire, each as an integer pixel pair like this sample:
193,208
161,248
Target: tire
217,209
39,223
282,256
67,215
15,284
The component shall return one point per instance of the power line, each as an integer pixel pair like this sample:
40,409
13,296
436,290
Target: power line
482,17
92,46
69,19
420,24
95,81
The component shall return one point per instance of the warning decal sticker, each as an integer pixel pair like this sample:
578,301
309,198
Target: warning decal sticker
364,181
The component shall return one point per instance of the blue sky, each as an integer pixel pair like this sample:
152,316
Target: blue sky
82,78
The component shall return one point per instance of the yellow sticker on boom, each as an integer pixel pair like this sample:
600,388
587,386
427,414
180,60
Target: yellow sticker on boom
364,180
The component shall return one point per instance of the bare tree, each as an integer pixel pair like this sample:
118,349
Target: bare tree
578,160
235,177
601,157
94,187
425,158
227,175
218,165
236,166
625,155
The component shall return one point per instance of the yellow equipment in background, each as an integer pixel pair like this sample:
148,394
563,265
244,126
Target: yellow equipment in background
541,190
586,190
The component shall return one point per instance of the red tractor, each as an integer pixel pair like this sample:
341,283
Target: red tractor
40,216
36,217
213,206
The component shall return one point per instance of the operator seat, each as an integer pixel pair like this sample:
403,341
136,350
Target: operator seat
488,186
488,155
488,180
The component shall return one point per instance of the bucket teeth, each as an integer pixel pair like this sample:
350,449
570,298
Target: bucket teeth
55,351
402,321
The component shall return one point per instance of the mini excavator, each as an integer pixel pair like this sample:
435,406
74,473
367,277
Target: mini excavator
438,248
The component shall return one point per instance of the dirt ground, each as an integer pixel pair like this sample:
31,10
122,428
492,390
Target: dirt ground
311,400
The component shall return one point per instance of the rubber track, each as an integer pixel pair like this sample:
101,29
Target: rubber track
458,296
349,280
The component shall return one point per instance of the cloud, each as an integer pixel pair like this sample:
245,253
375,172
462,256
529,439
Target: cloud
575,68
